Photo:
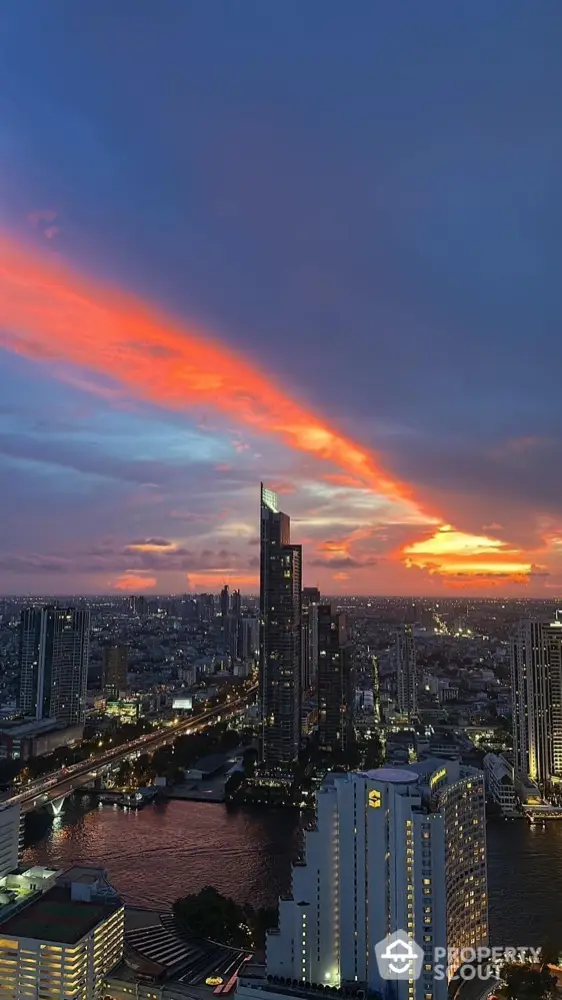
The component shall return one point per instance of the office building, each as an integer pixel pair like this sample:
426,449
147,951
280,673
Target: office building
536,678
392,849
405,672
280,635
335,688
114,669
54,651
309,648
62,942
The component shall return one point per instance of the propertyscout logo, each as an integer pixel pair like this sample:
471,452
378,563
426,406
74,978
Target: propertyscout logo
399,957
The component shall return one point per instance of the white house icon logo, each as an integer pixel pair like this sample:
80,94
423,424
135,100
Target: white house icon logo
399,957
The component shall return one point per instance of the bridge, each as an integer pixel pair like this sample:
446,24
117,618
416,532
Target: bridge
53,788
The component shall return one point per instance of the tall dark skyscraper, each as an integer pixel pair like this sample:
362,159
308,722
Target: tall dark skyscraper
236,608
54,649
309,651
224,601
280,635
115,659
335,682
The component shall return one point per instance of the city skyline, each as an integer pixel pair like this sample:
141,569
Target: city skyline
318,256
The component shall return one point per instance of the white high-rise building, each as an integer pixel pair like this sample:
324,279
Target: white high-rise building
404,653
393,849
536,677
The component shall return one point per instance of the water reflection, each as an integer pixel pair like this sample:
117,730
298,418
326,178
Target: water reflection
169,849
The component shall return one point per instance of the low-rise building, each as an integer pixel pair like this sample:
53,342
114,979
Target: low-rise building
62,942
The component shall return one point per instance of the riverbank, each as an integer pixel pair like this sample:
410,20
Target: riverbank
174,848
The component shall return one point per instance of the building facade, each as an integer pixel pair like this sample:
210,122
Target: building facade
309,650
393,849
54,653
11,838
114,667
536,678
62,942
335,688
404,652
280,635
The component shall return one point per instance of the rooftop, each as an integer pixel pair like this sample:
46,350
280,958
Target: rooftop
55,917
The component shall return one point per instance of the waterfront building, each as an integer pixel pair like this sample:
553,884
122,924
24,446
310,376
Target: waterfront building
392,849
114,669
54,651
280,635
405,672
335,688
536,677
62,942
11,838
500,783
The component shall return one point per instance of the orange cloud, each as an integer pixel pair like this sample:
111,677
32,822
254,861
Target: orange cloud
455,554
215,579
50,314
133,581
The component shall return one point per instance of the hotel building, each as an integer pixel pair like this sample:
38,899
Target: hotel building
62,942
392,849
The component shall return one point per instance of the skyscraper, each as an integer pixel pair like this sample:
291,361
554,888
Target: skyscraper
54,649
114,668
280,634
536,674
404,653
335,688
236,604
309,662
224,601
392,849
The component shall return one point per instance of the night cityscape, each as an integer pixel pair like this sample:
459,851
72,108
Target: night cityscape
281,543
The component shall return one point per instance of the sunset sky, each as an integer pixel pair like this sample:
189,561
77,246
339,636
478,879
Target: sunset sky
311,242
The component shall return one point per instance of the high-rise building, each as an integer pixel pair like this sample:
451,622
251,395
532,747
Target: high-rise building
54,650
139,605
236,608
280,635
11,839
335,686
64,941
392,849
404,653
114,668
309,645
224,601
536,674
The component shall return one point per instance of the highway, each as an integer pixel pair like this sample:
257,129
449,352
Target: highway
61,783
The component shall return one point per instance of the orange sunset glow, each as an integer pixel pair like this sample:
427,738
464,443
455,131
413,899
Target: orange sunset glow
53,316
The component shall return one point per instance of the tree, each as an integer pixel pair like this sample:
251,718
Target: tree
527,982
208,914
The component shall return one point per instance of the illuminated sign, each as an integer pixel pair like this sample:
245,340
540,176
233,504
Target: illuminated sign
436,778
374,799
213,980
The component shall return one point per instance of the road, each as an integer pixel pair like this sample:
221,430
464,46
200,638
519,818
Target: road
61,783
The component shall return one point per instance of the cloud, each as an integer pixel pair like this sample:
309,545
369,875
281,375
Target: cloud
150,545
131,581
39,216
456,555
51,315
45,305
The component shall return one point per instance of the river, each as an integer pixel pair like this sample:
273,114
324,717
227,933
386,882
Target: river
171,849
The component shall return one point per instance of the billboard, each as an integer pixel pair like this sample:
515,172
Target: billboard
183,704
